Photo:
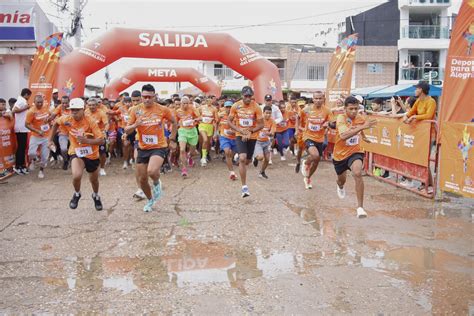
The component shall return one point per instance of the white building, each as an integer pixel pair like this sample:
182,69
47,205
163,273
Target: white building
424,39
23,26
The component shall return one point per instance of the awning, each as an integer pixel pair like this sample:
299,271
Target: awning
363,92
402,90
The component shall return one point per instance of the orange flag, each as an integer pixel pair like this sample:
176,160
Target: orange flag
43,69
340,70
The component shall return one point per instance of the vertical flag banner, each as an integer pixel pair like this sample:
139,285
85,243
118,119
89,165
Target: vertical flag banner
456,116
340,70
43,69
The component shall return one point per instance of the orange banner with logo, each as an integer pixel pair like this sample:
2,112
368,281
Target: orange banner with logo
43,69
340,70
406,142
457,158
458,91
7,143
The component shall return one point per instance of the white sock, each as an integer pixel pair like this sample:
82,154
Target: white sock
77,193
95,195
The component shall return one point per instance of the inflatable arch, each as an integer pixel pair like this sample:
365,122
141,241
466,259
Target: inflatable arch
122,42
191,75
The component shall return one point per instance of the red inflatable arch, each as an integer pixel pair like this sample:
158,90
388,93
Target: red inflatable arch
191,75
121,42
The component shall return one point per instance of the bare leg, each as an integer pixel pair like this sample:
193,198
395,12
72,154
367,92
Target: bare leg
94,180
356,169
243,168
228,158
143,178
77,168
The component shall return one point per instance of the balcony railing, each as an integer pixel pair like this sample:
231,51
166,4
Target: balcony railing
425,31
422,73
224,73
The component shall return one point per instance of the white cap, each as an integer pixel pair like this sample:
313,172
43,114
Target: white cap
55,90
76,103
359,98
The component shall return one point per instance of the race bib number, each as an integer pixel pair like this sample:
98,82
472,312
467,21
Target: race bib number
45,127
263,135
282,124
353,141
187,123
229,132
246,122
314,127
207,120
83,151
150,139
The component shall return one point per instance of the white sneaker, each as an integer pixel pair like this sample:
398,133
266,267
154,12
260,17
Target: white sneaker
361,213
203,162
139,195
341,193
41,174
102,172
304,169
283,158
125,165
307,183
270,162
275,151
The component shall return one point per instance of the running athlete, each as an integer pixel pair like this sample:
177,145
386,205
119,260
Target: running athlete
206,129
315,118
37,121
85,137
299,137
136,100
187,117
282,133
148,119
248,122
264,141
127,140
293,110
348,155
227,138
63,138
100,117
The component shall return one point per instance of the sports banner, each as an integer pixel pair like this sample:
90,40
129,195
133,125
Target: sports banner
340,70
43,69
7,143
457,158
406,142
458,90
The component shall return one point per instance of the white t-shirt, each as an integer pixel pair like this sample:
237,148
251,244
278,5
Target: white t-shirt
20,118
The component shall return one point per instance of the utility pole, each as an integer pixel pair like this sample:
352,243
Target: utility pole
77,14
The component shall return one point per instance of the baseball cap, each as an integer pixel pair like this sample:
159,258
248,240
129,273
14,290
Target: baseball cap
55,90
268,97
76,103
359,98
228,103
247,91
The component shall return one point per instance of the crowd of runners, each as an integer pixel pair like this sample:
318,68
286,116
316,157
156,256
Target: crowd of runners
154,136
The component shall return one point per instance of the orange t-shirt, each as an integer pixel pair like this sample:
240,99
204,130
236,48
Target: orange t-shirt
59,112
292,116
224,128
345,148
151,131
38,118
269,127
123,114
246,116
283,125
86,126
313,119
187,118
99,117
208,114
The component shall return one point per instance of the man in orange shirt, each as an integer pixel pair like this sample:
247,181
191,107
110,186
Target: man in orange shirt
227,138
85,137
263,146
63,139
148,119
37,121
315,118
101,119
348,154
248,122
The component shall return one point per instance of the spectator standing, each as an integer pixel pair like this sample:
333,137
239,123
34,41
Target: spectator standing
19,110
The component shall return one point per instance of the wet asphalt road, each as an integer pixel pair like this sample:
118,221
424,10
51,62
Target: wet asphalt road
207,251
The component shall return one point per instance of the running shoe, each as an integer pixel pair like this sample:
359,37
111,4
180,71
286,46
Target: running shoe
203,162
184,172
255,162
297,168
307,183
156,190
125,165
361,213
102,172
139,195
41,174
18,171
74,201
97,202
25,171
245,192
341,193
283,158
263,175
190,161
233,176
148,206
305,169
